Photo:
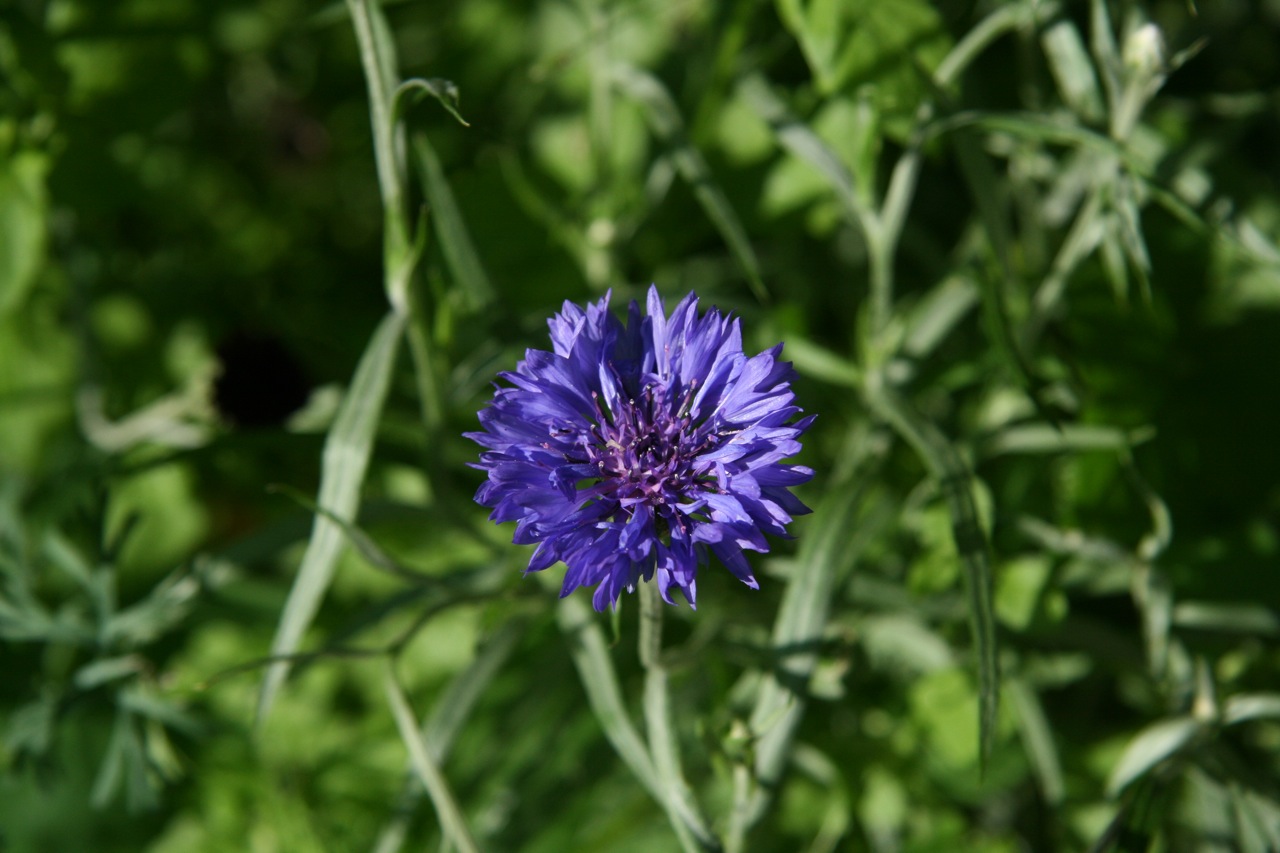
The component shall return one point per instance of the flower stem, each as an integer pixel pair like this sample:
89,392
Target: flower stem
682,810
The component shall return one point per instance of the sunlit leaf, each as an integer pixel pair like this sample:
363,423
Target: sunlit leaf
664,117
452,822
1251,706
23,207
346,457
1151,746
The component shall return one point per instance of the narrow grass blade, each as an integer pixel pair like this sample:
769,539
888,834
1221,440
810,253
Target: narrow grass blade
1037,739
466,688
595,668
1106,53
828,553
941,309
1070,438
817,361
664,117
1153,595
944,464
796,137
446,719
984,188
455,240
111,771
452,825
378,58
1046,129
363,543
346,457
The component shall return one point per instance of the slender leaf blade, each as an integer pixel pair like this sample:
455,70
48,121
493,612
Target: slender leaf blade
945,465
1037,737
801,141
599,679
802,617
1149,747
345,460
452,824
24,204
1251,706
451,229
665,120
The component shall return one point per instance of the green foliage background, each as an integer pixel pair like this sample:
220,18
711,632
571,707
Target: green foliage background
1023,255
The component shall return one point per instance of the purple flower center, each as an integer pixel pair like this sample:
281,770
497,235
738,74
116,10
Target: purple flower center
636,452
645,450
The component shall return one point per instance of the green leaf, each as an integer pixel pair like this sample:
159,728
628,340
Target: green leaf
1251,706
111,771
599,679
444,91
30,727
1256,818
945,465
1149,747
1229,618
100,672
827,554
452,824
902,645
451,229
803,143
1128,218
346,457
665,120
145,702
987,192
163,608
814,360
682,807
847,44
1072,71
1070,438
934,317
24,204
447,717
1106,54
1037,739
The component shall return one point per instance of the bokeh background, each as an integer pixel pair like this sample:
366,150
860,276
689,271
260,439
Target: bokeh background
1023,255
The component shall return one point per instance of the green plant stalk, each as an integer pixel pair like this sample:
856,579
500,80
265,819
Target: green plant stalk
426,371
379,64
682,810
944,465
345,460
590,655
453,826
882,244
402,244
801,622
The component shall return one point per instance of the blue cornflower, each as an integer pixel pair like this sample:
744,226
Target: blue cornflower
635,450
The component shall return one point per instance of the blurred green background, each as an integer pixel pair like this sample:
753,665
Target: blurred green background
1068,212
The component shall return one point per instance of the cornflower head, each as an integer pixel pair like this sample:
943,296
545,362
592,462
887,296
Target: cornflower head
634,451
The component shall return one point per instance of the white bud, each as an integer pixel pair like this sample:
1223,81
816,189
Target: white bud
1144,50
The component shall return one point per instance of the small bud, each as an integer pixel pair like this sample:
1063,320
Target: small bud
1144,50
